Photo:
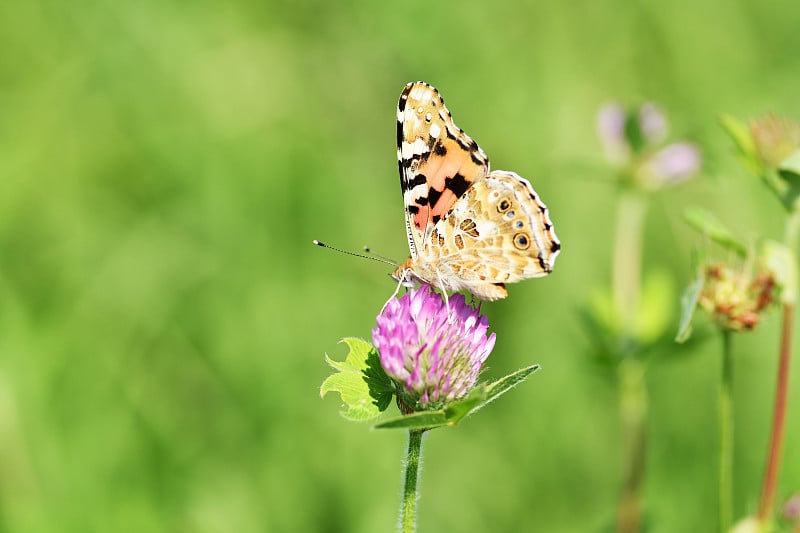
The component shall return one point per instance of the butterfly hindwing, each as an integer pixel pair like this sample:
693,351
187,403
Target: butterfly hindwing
501,226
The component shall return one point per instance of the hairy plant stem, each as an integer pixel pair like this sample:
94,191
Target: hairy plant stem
726,435
781,390
626,285
408,507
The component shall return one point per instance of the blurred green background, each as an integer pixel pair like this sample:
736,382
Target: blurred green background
164,167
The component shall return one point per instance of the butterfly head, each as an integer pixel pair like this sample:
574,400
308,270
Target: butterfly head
404,275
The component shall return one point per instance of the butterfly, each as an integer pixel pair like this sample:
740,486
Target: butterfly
468,228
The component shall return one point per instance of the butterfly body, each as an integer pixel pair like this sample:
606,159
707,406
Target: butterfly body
468,228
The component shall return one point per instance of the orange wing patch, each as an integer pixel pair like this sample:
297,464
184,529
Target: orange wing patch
448,177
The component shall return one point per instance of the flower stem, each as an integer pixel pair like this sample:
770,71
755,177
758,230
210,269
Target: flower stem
626,285
782,388
408,507
726,435
627,259
779,417
633,413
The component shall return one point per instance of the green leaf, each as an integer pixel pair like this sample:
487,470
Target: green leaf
789,169
633,132
364,387
421,420
740,134
455,411
710,225
782,264
603,313
689,301
448,415
655,307
501,386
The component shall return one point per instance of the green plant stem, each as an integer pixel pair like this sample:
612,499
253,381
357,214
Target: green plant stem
626,286
726,435
633,414
627,259
779,417
408,508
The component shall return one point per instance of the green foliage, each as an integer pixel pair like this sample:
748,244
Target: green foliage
633,131
708,224
481,395
779,171
739,132
364,387
790,169
652,320
689,300
367,391
655,315
440,417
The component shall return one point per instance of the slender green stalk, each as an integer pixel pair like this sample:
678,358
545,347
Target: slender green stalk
726,435
408,507
633,415
627,259
626,285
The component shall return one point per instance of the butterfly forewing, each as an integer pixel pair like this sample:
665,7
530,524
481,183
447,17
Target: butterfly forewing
437,160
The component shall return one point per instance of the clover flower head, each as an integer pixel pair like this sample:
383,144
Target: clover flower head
633,141
432,349
735,299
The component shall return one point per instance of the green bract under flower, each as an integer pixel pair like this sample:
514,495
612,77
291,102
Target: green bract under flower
775,138
432,349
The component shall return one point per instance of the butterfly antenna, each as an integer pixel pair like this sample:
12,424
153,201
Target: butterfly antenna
372,252
373,257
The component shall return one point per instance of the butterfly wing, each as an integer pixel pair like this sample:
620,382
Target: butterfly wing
498,232
438,161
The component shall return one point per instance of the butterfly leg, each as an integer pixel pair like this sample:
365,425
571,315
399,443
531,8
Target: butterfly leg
444,295
396,290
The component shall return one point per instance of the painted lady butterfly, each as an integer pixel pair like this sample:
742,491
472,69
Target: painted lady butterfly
468,228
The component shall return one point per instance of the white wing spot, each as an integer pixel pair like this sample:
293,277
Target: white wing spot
421,93
435,130
400,116
418,147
